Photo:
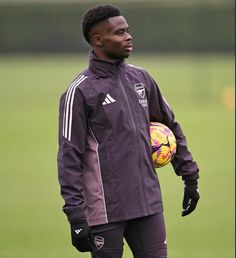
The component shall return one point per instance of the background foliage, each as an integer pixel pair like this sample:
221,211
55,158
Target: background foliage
156,26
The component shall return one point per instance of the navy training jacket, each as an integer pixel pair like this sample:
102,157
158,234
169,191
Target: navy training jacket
105,166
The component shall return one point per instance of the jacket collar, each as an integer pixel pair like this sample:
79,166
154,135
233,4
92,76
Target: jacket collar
103,68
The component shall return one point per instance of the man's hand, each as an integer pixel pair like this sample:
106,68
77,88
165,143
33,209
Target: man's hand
80,236
191,197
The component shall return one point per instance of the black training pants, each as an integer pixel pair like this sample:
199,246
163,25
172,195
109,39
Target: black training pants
145,236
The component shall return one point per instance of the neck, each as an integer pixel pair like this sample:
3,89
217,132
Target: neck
100,55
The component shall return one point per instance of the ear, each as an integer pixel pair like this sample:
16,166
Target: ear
97,40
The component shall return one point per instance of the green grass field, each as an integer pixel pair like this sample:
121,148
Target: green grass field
32,223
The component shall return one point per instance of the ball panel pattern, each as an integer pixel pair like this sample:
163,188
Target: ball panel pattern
163,144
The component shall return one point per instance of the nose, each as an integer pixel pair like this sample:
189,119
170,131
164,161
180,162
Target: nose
128,36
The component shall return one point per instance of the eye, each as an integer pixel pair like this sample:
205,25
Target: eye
122,31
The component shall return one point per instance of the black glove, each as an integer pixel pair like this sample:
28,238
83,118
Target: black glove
80,236
191,197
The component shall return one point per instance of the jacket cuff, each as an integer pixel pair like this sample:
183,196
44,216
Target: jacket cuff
190,177
74,214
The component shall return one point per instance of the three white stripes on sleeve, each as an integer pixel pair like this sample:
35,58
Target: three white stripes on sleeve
68,112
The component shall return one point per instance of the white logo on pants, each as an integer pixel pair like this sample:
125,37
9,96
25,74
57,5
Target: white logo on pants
99,242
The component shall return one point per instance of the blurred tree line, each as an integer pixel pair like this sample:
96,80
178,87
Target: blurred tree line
155,26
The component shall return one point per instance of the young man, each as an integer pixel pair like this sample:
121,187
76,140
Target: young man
106,173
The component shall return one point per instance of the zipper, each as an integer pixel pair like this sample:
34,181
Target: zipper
137,150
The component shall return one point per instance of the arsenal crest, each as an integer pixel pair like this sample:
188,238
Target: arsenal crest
99,242
140,89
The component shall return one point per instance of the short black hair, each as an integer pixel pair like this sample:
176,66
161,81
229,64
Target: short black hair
95,15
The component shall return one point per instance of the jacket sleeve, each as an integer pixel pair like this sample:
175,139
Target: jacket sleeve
160,111
72,141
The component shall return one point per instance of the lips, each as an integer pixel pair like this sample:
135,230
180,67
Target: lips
129,47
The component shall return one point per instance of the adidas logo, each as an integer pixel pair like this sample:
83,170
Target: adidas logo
77,231
108,100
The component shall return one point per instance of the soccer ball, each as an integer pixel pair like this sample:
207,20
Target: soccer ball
163,144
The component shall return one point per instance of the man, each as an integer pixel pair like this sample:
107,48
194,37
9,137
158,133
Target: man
106,173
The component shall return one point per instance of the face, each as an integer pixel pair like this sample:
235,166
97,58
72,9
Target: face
111,39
